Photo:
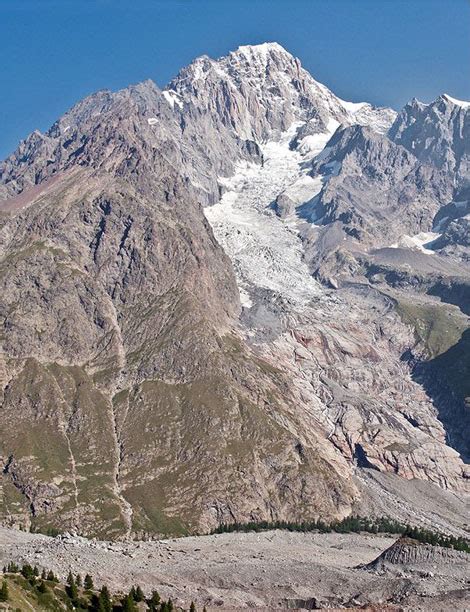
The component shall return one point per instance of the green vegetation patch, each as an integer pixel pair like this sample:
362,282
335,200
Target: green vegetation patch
437,326
28,588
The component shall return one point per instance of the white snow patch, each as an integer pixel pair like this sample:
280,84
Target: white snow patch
304,189
262,50
417,242
462,103
198,72
363,113
315,143
152,120
245,299
353,107
222,74
172,97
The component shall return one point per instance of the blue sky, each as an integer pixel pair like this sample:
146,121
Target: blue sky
54,52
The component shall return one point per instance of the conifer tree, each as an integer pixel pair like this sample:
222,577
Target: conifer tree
51,577
128,604
26,571
154,601
4,591
88,583
71,588
78,580
105,604
192,607
138,594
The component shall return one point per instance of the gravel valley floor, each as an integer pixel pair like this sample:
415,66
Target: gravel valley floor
269,570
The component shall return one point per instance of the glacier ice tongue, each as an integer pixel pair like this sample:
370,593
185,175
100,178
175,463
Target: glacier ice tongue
267,251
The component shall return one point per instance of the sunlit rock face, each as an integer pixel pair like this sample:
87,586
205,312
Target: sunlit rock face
224,299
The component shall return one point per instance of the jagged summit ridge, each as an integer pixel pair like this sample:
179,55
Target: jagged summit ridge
252,95
266,89
437,134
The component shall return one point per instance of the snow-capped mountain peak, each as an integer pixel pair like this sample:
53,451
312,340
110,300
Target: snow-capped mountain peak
261,50
261,90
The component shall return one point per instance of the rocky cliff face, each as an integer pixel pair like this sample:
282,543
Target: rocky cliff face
437,134
378,191
258,92
139,395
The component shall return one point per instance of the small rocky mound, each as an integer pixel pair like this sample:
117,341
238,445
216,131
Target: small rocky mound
406,551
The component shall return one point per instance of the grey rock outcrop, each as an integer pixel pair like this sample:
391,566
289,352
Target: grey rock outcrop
379,190
437,134
284,205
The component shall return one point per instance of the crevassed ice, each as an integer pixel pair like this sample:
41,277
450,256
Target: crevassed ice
266,251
